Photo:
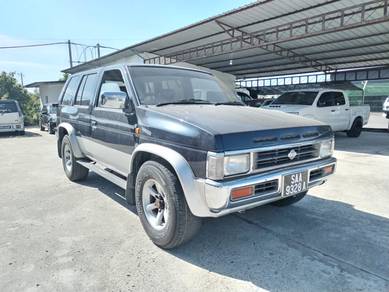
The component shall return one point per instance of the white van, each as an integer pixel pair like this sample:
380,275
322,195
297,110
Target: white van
11,117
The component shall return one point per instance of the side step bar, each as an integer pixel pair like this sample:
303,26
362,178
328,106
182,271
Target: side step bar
100,170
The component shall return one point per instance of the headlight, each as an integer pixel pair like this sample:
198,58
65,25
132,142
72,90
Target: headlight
327,148
219,166
236,164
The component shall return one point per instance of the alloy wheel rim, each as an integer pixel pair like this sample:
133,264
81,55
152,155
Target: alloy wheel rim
155,204
68,158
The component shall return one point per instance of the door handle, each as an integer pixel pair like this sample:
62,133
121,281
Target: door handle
347,109
332,111
94,123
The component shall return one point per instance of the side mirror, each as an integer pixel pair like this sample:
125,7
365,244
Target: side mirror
115,100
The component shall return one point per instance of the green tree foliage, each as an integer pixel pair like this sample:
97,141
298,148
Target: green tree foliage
11,89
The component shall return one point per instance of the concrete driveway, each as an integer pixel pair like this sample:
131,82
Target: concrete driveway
62,236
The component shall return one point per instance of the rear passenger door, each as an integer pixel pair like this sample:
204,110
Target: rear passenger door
82,110
327,111
112,129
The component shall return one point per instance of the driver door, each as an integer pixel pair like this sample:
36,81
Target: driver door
112,129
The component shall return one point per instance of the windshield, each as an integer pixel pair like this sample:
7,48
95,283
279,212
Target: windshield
8,107
296,97
158,86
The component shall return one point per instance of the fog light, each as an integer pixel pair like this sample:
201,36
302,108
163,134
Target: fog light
239,193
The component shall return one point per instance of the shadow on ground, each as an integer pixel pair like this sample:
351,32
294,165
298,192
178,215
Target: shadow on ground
27,134
316,243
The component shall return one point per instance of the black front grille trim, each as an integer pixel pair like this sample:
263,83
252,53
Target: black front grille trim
276,157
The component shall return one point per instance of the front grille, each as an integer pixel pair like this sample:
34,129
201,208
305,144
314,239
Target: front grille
5,127
274,158
266,187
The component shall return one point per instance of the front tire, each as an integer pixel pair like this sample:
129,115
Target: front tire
73,170
42,128
356,129
289,200
162,207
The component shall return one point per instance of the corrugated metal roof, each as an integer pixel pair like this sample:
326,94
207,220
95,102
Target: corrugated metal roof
354,34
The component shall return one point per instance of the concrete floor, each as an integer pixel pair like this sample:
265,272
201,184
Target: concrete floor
377,121
62,236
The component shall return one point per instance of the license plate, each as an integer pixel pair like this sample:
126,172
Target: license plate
295,183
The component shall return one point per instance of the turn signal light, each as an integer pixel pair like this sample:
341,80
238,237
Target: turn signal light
240,193
328,170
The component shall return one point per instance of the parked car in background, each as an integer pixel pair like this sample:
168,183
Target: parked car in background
248,100
183,147
11,117
385,107
48,117
329,106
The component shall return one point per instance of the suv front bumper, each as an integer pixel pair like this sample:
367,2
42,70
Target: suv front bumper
11,128
217,194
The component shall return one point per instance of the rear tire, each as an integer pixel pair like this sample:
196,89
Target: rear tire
162,208
73,170
289,200
356,129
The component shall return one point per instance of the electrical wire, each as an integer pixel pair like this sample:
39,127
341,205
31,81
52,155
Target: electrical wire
33,45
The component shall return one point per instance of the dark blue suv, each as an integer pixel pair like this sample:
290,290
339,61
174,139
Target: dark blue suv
184,147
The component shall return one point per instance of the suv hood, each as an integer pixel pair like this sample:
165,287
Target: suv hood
225,127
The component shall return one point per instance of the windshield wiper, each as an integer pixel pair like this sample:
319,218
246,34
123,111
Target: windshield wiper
230,103
185,101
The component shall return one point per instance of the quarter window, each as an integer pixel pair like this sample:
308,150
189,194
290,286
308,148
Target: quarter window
70,90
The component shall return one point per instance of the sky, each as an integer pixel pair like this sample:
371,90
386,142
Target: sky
111,23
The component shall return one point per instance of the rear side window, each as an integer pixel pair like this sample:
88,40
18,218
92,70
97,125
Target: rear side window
8,107
339,98
87,89
70,90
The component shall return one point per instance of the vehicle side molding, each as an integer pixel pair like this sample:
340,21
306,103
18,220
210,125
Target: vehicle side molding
193,192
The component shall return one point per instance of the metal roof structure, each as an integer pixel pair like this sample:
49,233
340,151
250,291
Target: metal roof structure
277,37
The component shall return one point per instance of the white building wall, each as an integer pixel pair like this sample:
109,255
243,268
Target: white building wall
49,93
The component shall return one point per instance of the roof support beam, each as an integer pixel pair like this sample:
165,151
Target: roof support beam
275,49
351,75
347,18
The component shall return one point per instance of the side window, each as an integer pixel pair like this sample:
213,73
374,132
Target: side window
340,99
77,101
327,99
87,89
112,82
70,91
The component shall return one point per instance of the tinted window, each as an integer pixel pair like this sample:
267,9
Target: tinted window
8,107
77,101
340,98
155,85
327,99
70,90
297,97
112,81
87,89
